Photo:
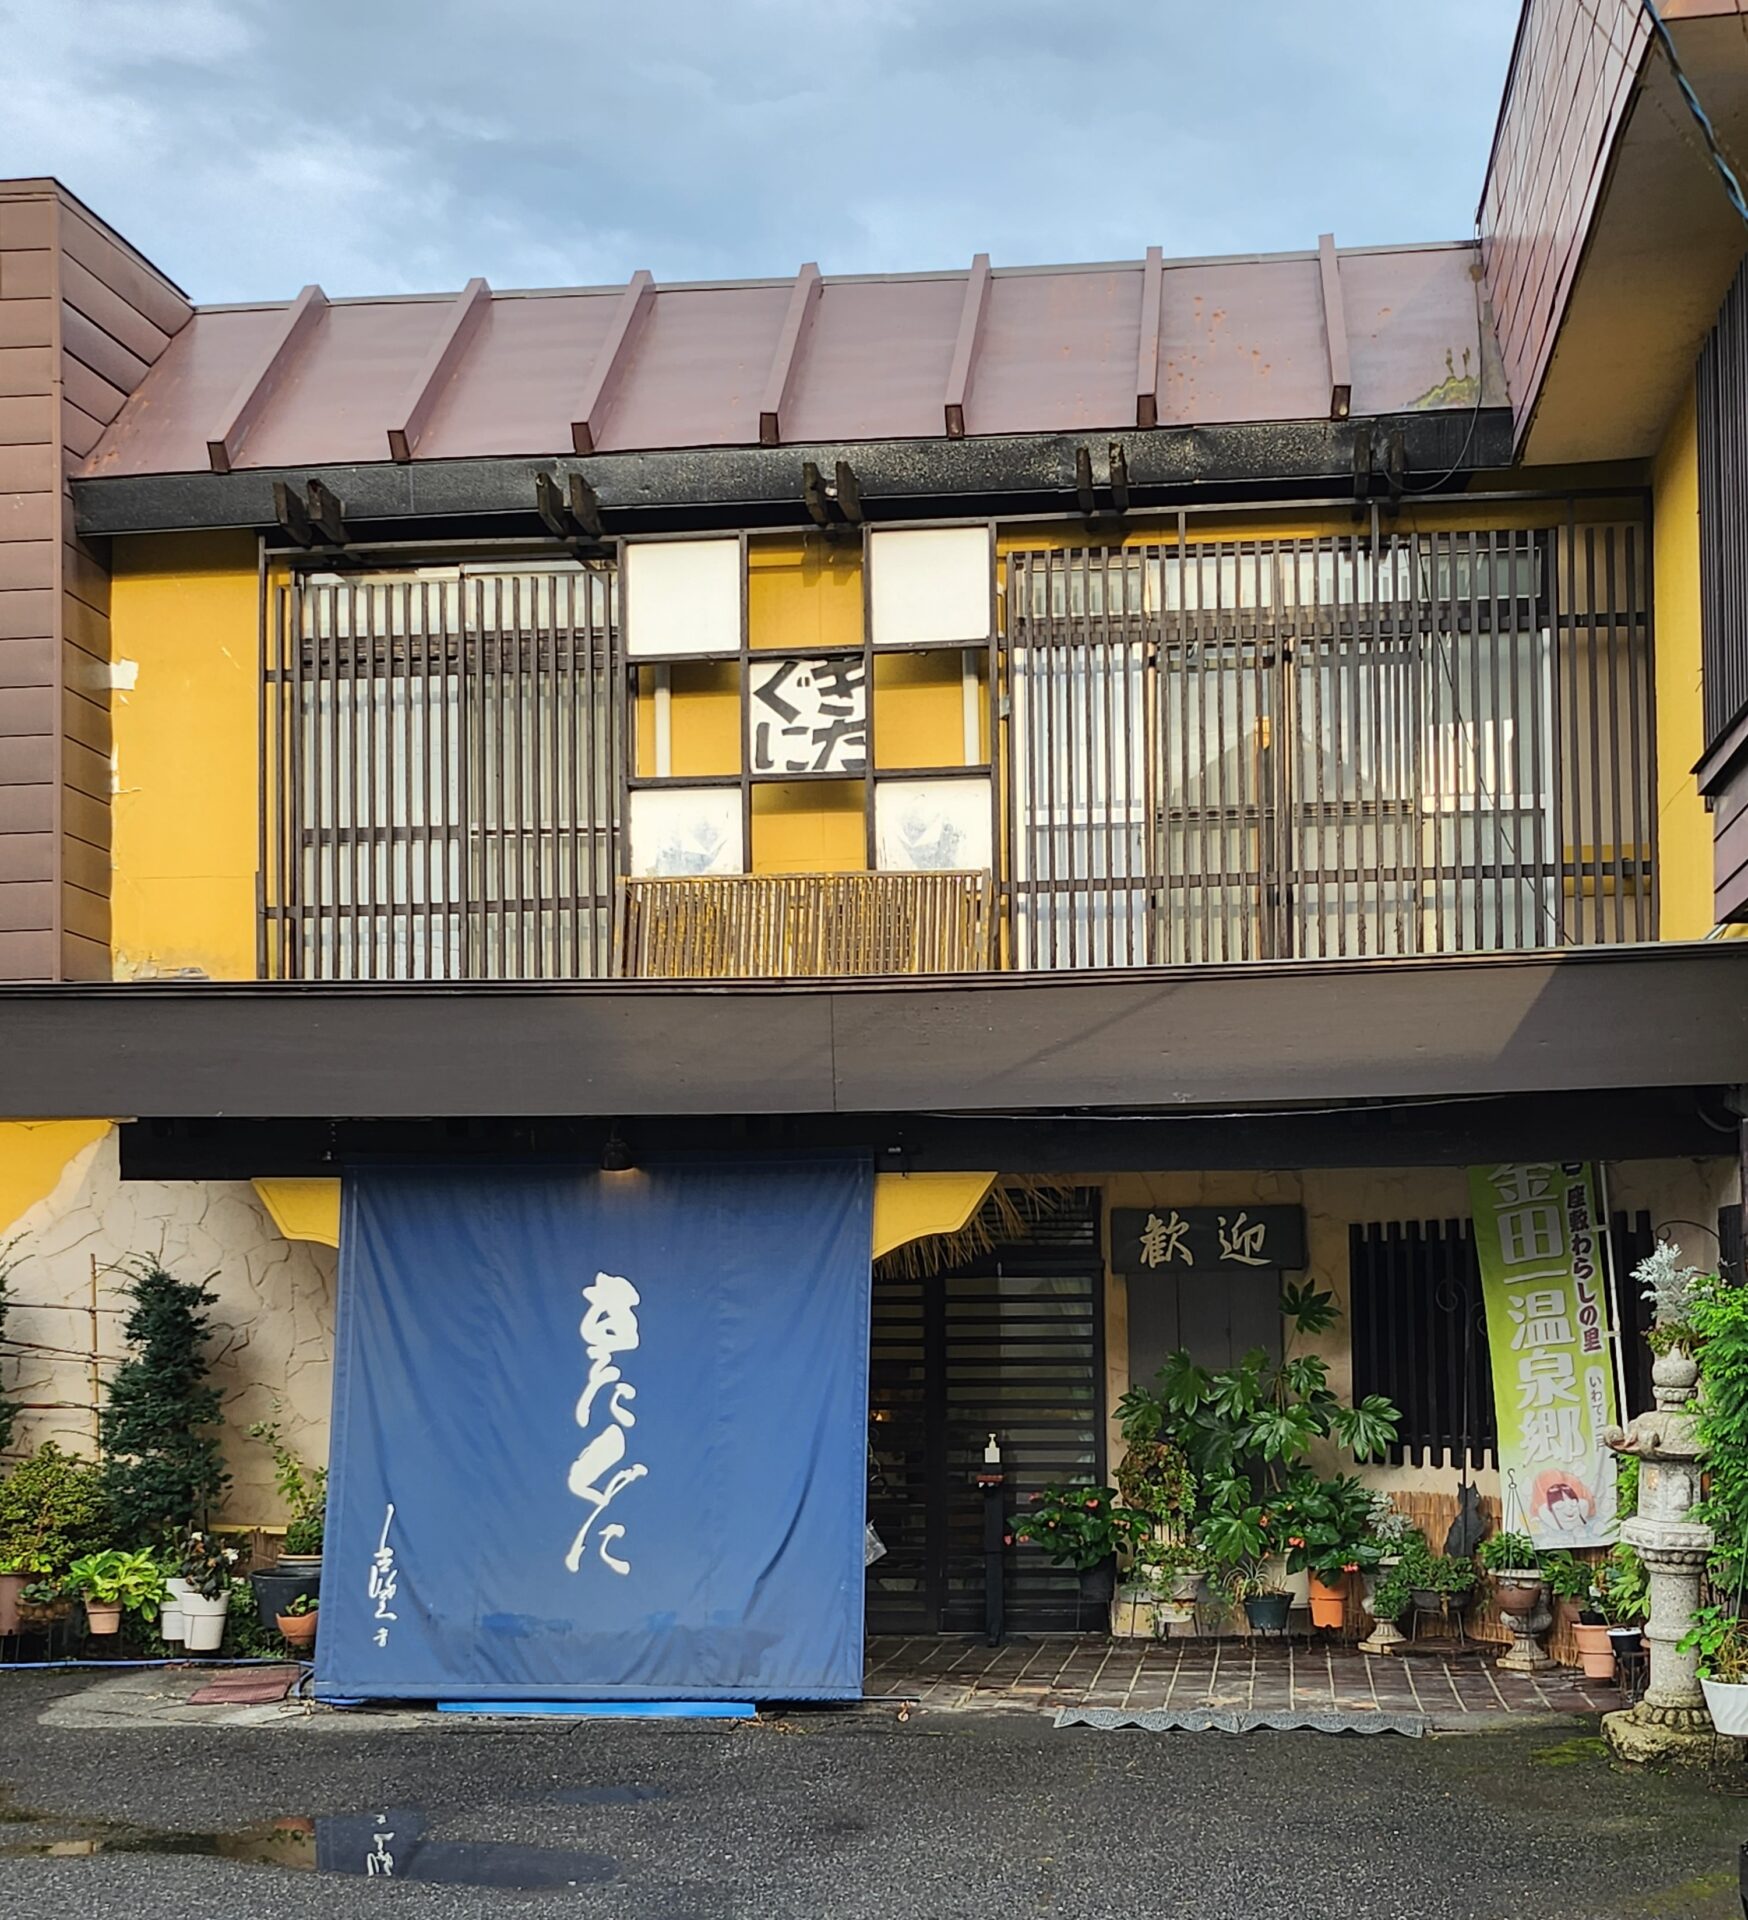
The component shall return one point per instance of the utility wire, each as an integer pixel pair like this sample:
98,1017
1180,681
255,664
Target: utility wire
1714,146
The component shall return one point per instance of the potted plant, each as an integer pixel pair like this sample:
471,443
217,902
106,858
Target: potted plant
1569,1581
297,1624
51,1512
206,1575
1085,1528
304,1490
116,1582
43,1603
1235,1535
1327,1528
1517,1576
1720,1637
1437,1583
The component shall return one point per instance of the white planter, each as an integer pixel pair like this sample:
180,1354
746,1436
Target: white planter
203,1622
170,1616
1727,1702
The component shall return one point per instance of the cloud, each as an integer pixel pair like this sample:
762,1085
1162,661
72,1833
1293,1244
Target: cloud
388,145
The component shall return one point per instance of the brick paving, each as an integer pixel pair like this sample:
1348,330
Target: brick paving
1451,1687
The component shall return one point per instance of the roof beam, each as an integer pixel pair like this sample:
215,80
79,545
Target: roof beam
264,379
964,366
808,287
590,419
460,323
1335,326
1147,355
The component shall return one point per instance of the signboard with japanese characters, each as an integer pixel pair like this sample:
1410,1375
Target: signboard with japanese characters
1542,1244
808,716
1166,1239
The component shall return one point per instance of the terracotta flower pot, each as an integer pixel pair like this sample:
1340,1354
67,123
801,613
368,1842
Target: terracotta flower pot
1517,1589
297,1629
101,1619
1328,1602
1595,1651
11,1586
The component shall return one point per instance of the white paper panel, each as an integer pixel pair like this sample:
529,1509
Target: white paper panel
684,830
808,716
930,584
931,826
682,596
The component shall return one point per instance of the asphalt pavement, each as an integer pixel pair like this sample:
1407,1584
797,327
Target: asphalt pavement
966,1816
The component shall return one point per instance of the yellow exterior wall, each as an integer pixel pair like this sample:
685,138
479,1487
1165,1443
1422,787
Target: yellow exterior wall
33,1156
184,632
1684,828
809,826
803,594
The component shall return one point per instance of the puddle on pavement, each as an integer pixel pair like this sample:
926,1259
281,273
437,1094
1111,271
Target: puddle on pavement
391,1845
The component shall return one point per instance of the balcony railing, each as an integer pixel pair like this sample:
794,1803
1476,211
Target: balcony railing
804,925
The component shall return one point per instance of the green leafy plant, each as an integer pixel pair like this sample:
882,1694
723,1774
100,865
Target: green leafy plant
158,1425
52,1510
133,1580
1439,1573
300,1607
1719,1314
207,1565
1392,1594
1325,1525
1568,1577
1247,1431
1507,1552
303,1488
1720,1637
1082,1526
1620,1591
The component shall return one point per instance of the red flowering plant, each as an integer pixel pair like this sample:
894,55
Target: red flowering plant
1082,1527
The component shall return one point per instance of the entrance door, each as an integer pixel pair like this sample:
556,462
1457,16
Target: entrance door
1011,1344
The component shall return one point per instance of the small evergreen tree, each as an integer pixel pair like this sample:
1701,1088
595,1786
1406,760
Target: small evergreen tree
161,1461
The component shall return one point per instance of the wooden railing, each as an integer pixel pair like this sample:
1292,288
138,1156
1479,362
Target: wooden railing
804,925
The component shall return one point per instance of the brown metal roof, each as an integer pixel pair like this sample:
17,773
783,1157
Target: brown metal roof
621,369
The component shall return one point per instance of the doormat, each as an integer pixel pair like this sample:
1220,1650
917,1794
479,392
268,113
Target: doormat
1226,1720
248,1687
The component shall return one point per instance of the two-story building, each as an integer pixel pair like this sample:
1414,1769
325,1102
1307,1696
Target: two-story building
1167,738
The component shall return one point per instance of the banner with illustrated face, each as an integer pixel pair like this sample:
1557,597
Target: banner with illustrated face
599,1435
1542,1243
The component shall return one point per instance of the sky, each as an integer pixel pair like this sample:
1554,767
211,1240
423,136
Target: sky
249,147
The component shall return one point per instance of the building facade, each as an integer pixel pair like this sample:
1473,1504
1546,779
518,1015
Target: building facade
1209,741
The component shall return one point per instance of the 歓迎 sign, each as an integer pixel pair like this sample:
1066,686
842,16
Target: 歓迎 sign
1168,1239
1539,1236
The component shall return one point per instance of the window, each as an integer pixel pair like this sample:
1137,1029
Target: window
441,777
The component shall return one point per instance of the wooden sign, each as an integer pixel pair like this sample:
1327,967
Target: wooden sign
1165,1239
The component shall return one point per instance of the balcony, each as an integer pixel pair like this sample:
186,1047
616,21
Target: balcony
1200,751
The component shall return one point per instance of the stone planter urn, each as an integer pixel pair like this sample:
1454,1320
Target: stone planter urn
1385,1636
1670,1723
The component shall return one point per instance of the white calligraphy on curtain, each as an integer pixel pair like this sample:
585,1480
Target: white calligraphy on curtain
609,1328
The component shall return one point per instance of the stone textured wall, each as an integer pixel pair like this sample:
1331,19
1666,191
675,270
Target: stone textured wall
274,1322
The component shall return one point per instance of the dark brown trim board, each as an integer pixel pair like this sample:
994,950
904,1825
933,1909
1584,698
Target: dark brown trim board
1212,1038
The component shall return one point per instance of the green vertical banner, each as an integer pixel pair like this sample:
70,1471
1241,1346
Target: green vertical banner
1539,1235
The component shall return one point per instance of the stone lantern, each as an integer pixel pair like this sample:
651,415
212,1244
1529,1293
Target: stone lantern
1670,1723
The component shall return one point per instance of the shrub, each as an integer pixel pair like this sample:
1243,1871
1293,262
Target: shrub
161,1456
52,1512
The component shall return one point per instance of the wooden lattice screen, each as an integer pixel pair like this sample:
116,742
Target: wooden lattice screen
804,926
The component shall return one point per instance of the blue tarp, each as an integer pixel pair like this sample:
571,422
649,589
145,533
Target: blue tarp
599,1435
